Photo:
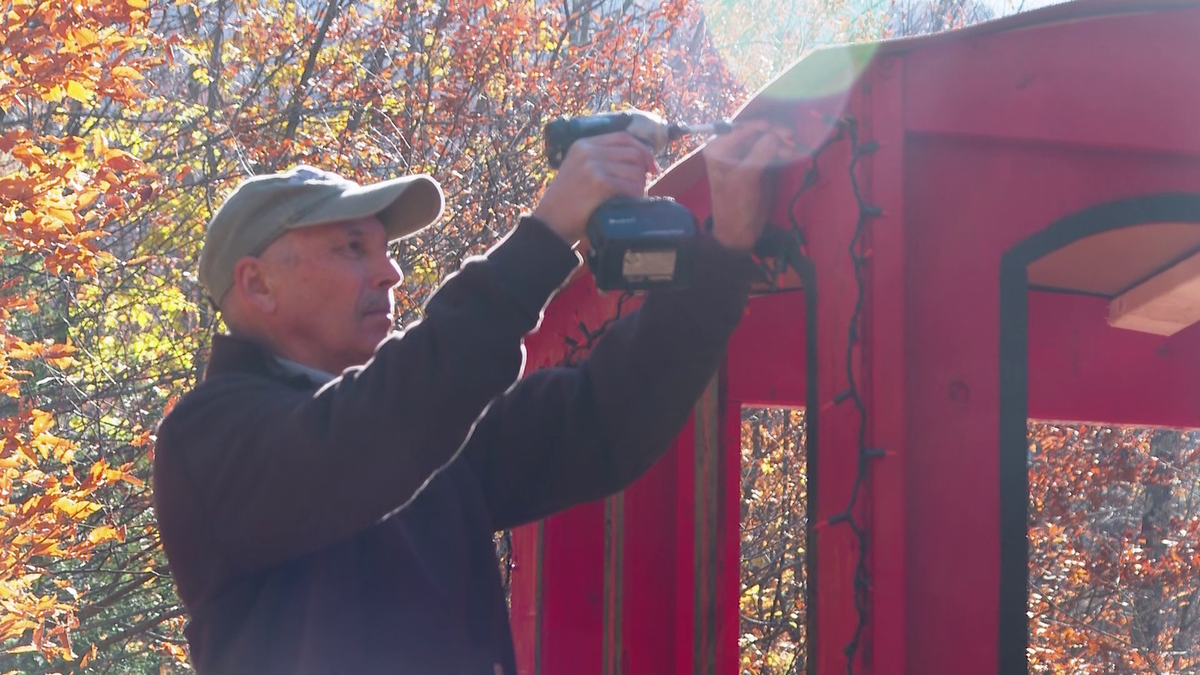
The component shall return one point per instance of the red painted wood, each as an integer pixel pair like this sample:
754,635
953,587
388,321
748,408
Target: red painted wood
1096,83
649,621
523,591
828,214
971,203
951,451
989,140
1080,369
684,559
570,616
729,574
766,353
573,591
708,423
884,366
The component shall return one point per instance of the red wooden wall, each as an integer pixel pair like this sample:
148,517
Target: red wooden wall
997,146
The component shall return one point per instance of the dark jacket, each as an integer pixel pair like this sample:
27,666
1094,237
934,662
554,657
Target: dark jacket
348,528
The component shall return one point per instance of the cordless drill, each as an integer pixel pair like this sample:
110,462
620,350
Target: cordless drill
637,243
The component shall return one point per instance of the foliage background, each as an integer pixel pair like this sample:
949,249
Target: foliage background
124,122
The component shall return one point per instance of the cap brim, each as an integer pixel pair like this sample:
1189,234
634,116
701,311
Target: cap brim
404,205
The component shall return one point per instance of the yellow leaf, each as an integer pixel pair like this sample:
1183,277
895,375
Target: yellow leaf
87,197
126,72
78,92
39,422
54,93
103,533
23,649
86,37
97,471
62,362
178,652
61,213
75,509
138,4
19,626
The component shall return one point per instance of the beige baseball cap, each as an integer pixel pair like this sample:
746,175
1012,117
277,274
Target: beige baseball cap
262,208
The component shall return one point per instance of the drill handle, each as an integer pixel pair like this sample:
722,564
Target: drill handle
561,132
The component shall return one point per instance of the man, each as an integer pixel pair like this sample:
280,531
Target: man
327,495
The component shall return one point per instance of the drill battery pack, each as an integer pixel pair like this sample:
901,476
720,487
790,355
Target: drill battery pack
641,244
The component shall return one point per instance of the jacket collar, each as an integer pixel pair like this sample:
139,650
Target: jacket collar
318,377
236,355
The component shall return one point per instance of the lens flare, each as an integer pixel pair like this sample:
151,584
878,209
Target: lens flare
760,39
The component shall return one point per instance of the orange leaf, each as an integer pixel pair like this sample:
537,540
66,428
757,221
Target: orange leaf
120,161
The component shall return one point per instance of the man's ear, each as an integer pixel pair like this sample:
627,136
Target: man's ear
251,279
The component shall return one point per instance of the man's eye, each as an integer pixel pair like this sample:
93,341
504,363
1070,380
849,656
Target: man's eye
355,248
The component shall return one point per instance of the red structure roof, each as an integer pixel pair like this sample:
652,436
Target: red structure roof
987,207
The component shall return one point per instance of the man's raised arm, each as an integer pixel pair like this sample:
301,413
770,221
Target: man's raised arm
281,471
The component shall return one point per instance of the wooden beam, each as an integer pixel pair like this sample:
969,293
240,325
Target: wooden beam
1164,304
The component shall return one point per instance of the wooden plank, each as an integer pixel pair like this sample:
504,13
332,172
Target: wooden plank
685,553
729,559
884,365
1113,262
1163,304
614,575
525,593
1095,82
766,352
707,524
828,215
572,617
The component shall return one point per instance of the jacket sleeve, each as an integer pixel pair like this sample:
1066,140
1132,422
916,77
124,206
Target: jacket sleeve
563,436
280,472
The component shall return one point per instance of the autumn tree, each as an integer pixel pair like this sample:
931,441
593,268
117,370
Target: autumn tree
63,184
916,17
123,123
774,516
1114,549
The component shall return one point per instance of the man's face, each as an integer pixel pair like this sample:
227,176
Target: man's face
332,286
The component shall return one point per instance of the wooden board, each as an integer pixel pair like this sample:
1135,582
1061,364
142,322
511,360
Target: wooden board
1110,264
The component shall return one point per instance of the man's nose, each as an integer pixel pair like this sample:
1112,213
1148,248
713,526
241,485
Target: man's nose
388,273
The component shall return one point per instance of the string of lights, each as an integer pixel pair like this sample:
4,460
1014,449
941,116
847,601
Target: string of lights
577,350
848,128
859,255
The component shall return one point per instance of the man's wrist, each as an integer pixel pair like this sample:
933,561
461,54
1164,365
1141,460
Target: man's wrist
553,222
733,243
727,241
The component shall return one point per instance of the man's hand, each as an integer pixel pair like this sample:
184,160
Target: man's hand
737,175
595,169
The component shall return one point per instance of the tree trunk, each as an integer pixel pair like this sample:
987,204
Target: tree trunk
1149,599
